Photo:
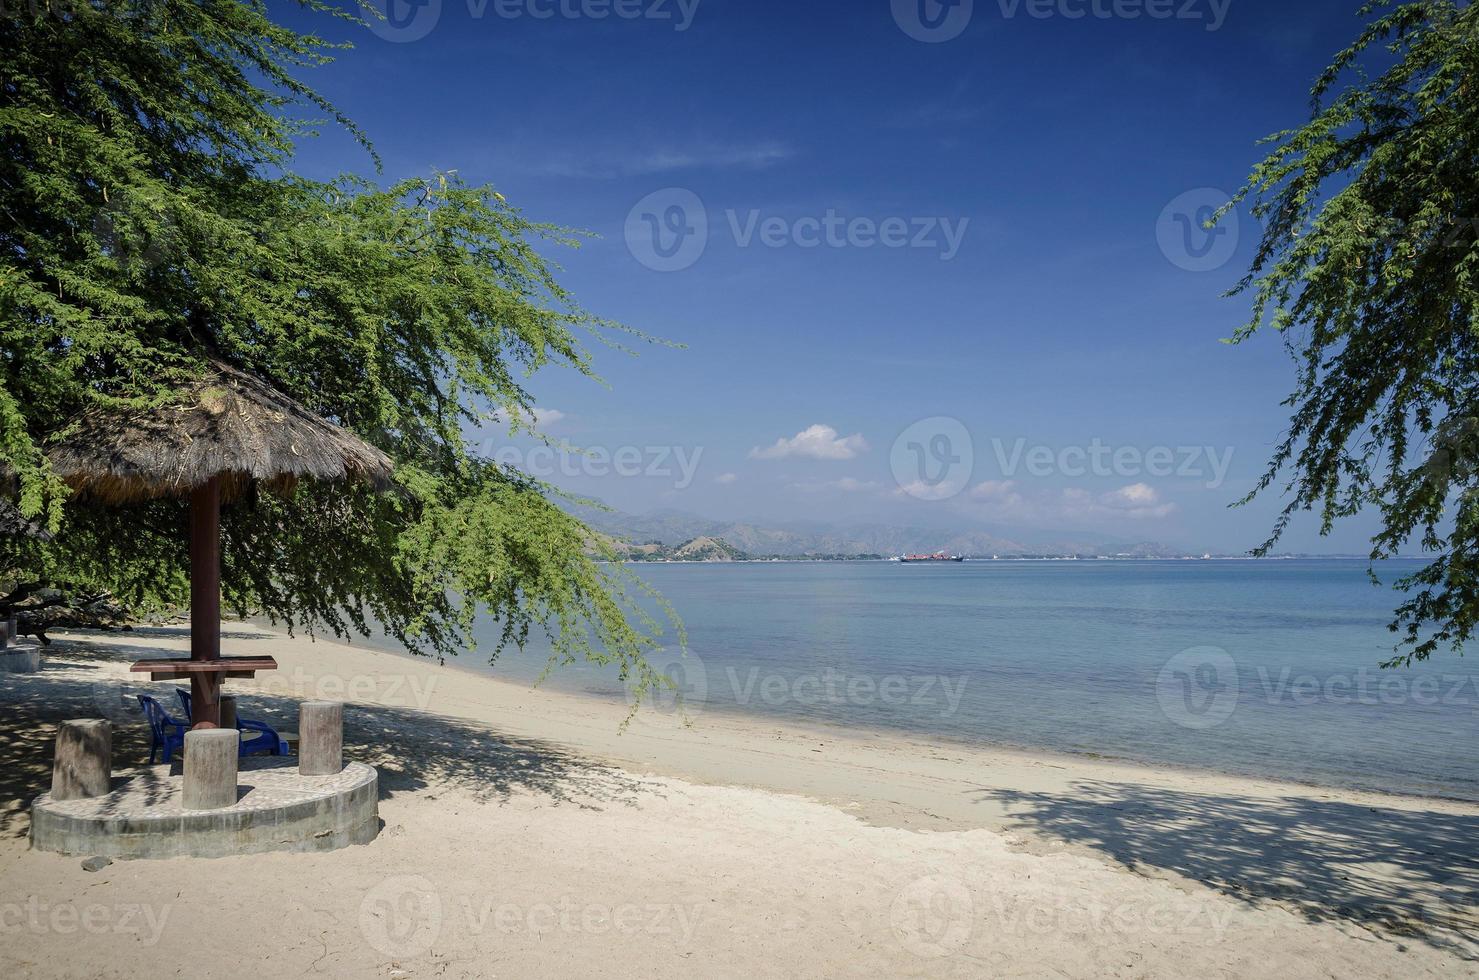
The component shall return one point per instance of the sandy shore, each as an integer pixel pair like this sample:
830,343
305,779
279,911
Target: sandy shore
526,835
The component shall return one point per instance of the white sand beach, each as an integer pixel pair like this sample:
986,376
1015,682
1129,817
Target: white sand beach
526,835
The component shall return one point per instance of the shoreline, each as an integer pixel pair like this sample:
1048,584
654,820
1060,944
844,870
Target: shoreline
748,720
777,843
1096,559
741,722
658,744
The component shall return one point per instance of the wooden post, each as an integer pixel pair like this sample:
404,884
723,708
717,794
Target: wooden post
205,600
83,766
210,768
321,738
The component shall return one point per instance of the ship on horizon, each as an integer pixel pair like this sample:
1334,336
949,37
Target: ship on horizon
937,556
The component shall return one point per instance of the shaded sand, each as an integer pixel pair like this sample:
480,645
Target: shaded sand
525,837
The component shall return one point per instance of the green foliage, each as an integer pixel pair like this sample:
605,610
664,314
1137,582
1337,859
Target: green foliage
1368,270
152,219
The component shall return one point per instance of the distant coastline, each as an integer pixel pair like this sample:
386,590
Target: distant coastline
711,550
678,537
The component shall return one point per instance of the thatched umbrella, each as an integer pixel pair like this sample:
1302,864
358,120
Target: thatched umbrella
227,431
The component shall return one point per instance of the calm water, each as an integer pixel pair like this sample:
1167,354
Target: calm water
1266,668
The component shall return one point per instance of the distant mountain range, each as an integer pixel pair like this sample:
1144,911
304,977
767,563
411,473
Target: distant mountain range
662,535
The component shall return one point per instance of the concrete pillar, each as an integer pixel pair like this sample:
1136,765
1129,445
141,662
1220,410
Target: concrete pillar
20,660
83,767
228,711
321,738
5,633
210,768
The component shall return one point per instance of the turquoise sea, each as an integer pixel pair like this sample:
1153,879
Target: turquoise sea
1265,668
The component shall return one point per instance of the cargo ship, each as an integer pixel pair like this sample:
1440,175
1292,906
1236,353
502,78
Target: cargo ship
937,556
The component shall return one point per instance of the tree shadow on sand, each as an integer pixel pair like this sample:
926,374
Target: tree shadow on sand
1403,872
413,750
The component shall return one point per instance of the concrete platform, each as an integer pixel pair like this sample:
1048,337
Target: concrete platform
276,810
20,658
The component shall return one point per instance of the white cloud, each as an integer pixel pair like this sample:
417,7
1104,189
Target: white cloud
1134,495
611,162
816,442
1001,500
538,417
752,156
920,490
1009,500
1138,500
996,490
725,479
545,417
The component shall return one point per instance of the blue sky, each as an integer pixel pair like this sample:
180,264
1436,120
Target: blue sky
1007,325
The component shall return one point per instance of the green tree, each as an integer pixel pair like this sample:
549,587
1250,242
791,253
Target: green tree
1368,268
152,219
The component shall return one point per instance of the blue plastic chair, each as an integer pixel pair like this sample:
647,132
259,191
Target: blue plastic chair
266,739
164,732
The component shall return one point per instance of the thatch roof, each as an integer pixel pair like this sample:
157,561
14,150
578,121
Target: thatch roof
228,424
